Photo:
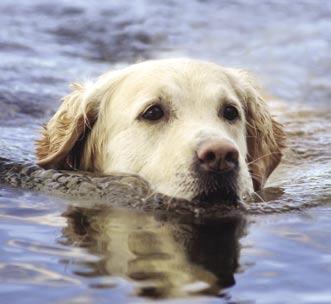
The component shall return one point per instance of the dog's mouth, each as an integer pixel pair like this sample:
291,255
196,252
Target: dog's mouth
217,188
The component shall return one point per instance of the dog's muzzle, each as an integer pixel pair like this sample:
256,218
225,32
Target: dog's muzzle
216,167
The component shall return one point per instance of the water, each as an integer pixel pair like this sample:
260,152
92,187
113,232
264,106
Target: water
57,250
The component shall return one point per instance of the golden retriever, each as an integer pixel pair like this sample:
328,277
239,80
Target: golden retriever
193,129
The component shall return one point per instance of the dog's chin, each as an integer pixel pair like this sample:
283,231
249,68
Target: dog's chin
218,196
218,189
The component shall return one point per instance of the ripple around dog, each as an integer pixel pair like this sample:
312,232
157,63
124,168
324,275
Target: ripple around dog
132,191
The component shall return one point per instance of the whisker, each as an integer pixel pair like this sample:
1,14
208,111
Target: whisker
263,156
259,196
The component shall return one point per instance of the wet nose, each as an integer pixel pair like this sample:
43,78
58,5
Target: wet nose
218,155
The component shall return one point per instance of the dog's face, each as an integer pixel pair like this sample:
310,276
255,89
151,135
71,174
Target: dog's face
192,129
162,118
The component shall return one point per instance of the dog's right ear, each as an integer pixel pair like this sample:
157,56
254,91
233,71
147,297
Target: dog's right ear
66,129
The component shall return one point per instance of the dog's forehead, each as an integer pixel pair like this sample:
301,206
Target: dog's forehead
180,81
183,73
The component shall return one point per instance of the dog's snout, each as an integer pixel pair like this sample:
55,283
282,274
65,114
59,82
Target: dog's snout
218,155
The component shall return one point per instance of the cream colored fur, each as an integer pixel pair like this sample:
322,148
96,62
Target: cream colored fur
97,126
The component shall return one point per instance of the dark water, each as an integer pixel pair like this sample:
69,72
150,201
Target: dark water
56,250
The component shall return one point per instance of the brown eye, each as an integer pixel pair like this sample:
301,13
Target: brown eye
153,113
230,113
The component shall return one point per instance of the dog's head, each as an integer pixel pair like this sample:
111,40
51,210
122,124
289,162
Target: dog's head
192,129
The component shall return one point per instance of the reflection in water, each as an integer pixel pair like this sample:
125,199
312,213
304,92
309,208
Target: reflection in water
165,256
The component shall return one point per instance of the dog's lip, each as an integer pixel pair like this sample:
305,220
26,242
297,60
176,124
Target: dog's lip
207,170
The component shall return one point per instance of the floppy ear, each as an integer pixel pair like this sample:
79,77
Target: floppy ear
265,136
63,136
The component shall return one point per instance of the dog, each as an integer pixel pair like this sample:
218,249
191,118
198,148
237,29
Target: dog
193,129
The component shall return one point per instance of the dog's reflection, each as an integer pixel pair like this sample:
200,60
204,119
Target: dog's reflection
165,255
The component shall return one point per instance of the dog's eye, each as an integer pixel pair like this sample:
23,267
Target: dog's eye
153,113
230,113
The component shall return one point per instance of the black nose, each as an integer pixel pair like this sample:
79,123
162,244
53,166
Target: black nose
218,155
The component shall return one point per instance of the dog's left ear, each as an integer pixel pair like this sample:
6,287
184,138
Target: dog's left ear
265,136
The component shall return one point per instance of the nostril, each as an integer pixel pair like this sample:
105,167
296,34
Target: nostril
210,156
232,156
